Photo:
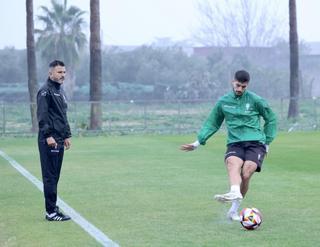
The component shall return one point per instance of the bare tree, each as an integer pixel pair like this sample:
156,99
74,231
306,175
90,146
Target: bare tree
294,62
95,66
238,23
32,67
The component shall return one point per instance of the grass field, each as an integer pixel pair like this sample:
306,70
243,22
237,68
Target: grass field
142,191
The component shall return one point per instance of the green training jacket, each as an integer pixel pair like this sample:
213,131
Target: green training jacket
242,116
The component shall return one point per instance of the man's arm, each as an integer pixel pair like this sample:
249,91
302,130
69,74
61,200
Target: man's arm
43,113
270,125
43,117
211,126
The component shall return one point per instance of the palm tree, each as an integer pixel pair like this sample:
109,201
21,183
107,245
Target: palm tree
95,66
32,67
294,62
62,37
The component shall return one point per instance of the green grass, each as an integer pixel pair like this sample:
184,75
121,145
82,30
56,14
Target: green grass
142,191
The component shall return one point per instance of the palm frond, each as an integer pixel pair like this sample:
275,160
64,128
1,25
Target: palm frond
62,35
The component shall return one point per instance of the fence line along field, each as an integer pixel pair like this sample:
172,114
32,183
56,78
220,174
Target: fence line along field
171,117
143,191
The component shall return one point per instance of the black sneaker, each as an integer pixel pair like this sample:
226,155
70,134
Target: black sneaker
57,216
57,209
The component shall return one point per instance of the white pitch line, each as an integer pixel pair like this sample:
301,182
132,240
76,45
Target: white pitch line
97,234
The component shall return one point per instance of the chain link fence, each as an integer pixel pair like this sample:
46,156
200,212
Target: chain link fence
161,117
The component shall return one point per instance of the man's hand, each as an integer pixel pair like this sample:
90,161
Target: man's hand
190,147
67,143
187,147
267,148
52,142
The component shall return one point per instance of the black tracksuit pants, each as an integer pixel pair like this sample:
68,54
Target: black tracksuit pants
51,162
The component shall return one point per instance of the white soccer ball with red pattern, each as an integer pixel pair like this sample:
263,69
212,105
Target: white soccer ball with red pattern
250,218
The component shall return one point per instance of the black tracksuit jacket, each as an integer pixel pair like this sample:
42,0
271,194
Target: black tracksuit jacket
52,112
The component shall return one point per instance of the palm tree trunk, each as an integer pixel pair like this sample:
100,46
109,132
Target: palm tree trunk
294,62
95,66
32,67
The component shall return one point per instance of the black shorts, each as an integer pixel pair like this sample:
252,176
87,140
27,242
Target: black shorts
247,150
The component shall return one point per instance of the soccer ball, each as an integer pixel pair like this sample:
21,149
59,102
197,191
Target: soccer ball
250,218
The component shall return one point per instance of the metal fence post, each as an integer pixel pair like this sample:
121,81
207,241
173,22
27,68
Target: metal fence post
179,117
109,117
281,109
145,115
317,103
3,118
315,112
76,117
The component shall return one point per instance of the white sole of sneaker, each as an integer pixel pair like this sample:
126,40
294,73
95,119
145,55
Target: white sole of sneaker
234,218
222,198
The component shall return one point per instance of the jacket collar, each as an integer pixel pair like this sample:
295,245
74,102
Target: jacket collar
237,96
55,84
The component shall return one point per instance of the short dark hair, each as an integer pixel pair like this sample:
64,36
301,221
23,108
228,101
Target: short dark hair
242,76
56,63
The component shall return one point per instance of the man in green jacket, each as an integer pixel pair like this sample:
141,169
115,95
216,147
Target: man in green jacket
247,142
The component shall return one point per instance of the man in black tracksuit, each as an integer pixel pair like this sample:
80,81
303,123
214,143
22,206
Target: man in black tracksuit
54,136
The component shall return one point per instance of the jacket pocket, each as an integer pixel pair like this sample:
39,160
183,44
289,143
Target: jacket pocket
53,152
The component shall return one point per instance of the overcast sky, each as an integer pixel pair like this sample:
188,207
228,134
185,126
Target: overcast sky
136,22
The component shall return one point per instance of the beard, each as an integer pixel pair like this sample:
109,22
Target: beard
238,93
